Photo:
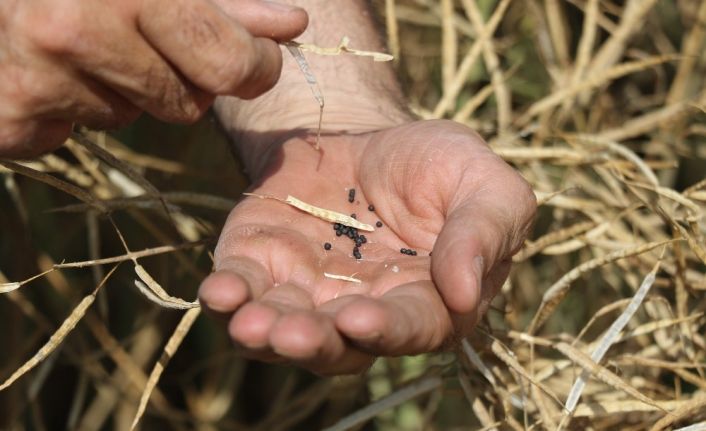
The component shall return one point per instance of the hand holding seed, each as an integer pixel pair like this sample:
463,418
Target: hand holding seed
100,63
435,186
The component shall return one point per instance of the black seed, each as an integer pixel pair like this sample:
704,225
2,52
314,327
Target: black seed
378,224
357,255
358,242
403,250
336,226
354,230
354,216
363,239
413,252
351,195
356,250
344,229
339,233
371,207
327,246
351,234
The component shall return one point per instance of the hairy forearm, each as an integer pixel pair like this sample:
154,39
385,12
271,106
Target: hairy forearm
360,95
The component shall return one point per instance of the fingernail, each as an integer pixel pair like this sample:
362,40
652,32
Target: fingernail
478,268
280,7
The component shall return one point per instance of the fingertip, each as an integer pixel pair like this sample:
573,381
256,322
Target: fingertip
251,325
457,272
298,336
300,21
223,292
263,75
362,320
271,19
294,20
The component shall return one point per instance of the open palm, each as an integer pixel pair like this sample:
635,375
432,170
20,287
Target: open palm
434,185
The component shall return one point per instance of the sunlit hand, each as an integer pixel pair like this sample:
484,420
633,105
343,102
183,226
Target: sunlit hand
435,186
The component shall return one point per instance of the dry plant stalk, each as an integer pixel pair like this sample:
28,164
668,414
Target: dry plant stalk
553,296
170,348
12,286
602,373
57,337
610,337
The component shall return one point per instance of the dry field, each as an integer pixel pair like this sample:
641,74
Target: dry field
599,104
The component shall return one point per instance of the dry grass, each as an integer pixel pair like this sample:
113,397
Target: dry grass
600,105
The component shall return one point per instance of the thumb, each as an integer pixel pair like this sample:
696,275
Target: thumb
478,239
275,20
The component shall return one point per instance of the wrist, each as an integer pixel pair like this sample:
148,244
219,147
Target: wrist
290,109
257,143
359,94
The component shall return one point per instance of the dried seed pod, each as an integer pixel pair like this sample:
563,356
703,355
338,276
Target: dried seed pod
324,214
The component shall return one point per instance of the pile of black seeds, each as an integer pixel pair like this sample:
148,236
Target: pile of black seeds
352,233
357,238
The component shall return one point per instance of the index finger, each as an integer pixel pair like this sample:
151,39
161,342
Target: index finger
209,48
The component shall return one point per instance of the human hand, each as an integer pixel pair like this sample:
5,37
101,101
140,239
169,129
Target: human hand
101,63
434,185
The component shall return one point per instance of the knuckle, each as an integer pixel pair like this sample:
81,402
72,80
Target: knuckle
27,91
170,98
59,31
229,75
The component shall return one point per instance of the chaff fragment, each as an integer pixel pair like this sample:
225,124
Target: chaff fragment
341,277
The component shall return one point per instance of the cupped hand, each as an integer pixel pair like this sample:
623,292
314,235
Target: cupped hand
437,189
101,63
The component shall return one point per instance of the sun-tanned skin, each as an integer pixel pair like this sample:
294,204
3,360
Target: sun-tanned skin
102,62
435,185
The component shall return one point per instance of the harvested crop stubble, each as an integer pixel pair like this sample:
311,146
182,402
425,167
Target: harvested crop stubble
598,104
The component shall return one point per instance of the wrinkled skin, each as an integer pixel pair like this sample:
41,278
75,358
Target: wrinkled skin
101,63
436,187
